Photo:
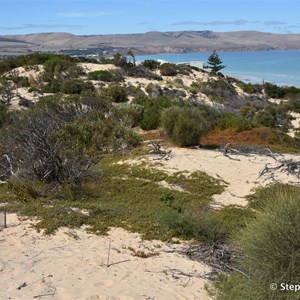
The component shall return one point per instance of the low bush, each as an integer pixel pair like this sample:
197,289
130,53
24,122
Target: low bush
75,86
152,108
102,75
151,64
130,113
185,126
220,91
116,93
233,122
274,91
264,118
168,69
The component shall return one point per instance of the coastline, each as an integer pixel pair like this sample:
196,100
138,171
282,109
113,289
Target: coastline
280,67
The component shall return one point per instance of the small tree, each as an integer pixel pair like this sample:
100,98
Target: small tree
215,63
7,92
131,54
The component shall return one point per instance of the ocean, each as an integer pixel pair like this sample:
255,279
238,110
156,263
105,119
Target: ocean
281,67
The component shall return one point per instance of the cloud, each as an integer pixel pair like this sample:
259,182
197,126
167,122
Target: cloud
83,14
216,23
274,23
40,26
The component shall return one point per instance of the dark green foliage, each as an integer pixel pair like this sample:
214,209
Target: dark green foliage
60,74
152,108
116,93
250,88
102,75
185,126
3,115
280,92
274,91
19,81
11,63
51,87
233,122
53,69
168,69
215,63
264,118
75,86
151,64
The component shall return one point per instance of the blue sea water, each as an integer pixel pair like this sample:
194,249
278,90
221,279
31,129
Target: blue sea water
281,67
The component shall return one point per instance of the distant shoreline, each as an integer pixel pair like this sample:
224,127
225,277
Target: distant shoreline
280,67
150,42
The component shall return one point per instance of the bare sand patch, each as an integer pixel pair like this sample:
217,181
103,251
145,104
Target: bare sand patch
61,267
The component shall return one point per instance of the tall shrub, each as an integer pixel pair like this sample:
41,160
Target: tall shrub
184,125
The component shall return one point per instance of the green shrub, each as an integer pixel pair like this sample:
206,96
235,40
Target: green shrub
151,64
3,115
185,126
270,246
20,81
116,93
233,122
168,69
75,86
195,87
102,75
250,88
264,118
151,118
204,228
51,87
130,113
274,91
219,90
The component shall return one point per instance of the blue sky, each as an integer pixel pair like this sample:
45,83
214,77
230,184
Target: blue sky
137,16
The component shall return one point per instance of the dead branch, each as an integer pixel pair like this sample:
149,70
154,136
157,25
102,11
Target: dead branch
163,153
288,166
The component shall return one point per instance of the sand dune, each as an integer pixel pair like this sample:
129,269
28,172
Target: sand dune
33,265
72,264
240,172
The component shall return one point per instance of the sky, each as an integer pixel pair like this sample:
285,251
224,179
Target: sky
137,16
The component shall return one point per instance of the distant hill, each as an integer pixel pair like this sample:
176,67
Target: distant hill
150,42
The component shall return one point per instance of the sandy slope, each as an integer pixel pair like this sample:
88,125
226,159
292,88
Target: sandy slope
240,172
61,267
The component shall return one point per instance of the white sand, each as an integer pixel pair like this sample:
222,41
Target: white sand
70,269
90,67
241,173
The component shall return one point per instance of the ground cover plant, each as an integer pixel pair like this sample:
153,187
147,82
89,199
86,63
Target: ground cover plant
120,195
